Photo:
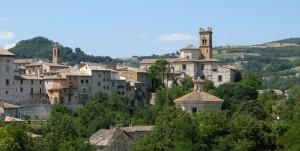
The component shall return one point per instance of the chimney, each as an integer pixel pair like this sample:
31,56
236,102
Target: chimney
198,85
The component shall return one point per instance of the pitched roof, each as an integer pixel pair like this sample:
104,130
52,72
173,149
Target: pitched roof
7,105
46,63
12,119
131,129
199,96
4,52
189,47
170,60
24,61
103,137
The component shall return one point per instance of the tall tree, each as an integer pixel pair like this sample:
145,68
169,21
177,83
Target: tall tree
159,72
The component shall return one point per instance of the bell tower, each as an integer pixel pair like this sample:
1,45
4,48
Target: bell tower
56,53
206,42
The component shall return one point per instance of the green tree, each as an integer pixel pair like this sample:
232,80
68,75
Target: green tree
252,79
78,144
235,93
7,141
159,72
165,96
187,83
173,131
60,127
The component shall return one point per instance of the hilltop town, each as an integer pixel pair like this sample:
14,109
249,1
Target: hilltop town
191,100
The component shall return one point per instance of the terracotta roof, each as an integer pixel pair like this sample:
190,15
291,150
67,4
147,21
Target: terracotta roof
189,47
137,70
197,96
7,105
170,60
78,74
198,81
30,77
103,137
23,61
4,52
137,129
154,60
46,63
12,119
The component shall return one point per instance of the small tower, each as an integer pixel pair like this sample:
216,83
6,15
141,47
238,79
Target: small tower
198,85
206,42
56,53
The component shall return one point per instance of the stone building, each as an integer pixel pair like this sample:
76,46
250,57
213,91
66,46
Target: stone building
198,62
8,109
198,100
7,72
120,138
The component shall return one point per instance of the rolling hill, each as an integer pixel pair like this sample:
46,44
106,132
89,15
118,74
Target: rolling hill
41,47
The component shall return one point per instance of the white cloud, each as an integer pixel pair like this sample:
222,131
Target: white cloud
8,46
174,37
4,35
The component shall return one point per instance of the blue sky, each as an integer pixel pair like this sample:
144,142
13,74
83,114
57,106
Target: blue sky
136,27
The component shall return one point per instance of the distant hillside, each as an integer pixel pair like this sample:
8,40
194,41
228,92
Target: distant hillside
40,47
288,41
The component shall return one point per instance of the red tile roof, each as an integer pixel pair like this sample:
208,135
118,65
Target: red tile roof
4,52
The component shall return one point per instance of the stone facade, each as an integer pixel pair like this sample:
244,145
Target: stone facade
198,100
198,62
31,81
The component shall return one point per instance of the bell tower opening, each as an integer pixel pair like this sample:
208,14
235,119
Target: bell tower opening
56,55
206,42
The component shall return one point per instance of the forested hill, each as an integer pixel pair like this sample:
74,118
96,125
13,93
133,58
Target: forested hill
288,41
40,47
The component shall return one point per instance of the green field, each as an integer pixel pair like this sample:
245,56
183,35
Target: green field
233,55
290,58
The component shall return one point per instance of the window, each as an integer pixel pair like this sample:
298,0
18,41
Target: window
7,68
21,81
86,81
81,81
99,75
107,87
99,83
201,66
40,90
183,66
194,109
7,60
40,81
214,70
21,89
31,91
31,81
7,81
187,56
220,78
6,92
